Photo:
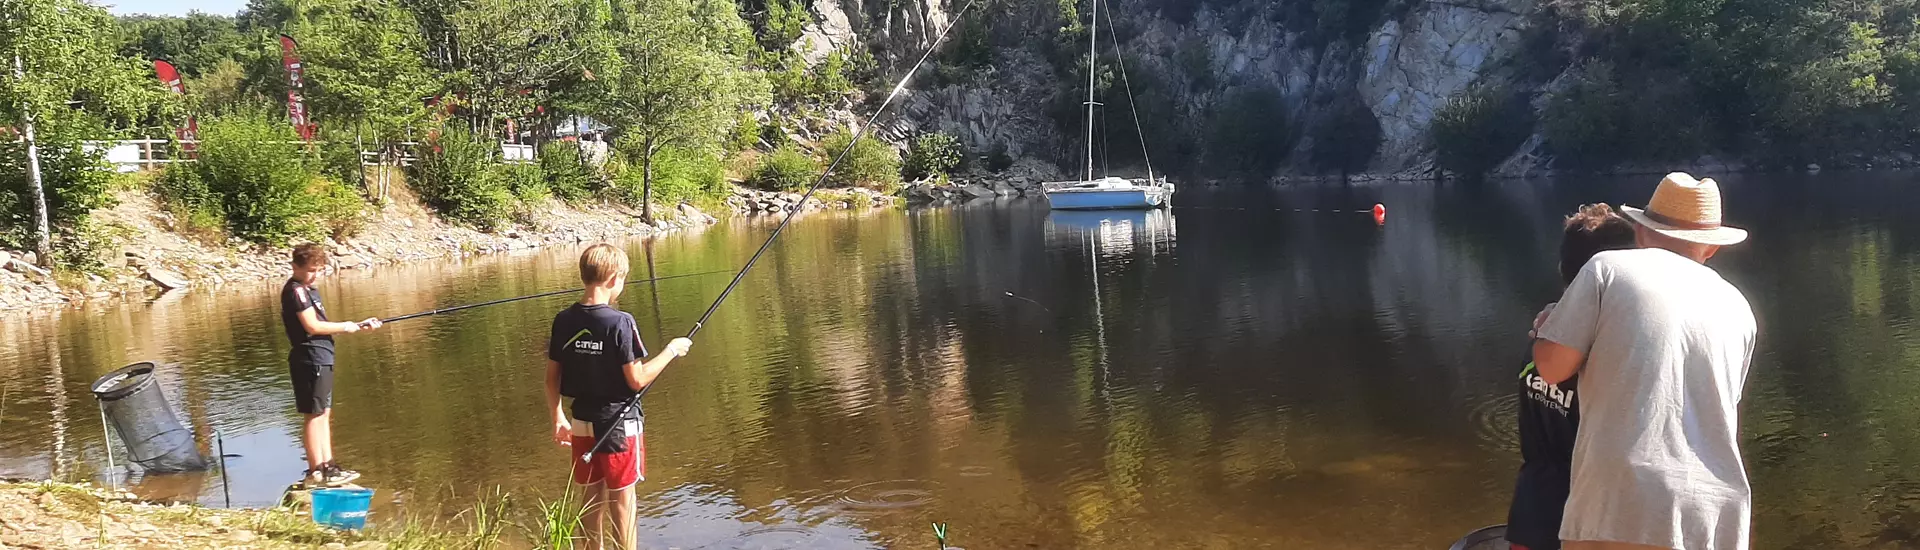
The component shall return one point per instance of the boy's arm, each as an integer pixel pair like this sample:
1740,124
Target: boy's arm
562,429
640,373
313,325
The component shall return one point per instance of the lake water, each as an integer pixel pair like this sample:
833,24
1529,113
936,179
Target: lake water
1263,367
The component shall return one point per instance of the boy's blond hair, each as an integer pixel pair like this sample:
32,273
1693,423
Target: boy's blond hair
601,263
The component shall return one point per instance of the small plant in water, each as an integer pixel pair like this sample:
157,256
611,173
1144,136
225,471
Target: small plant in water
560,522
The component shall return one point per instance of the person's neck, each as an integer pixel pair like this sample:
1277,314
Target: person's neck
1689,252
596,296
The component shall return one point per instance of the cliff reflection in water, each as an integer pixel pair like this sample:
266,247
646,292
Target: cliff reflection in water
1259,378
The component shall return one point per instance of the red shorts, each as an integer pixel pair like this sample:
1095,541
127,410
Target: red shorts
616,470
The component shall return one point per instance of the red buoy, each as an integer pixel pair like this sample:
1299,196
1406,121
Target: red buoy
1379,214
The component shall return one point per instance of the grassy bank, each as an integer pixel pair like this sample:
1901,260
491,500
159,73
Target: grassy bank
50,514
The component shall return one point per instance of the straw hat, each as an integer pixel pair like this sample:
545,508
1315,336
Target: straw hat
1686,209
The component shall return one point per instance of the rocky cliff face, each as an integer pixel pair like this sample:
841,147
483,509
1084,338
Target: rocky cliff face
1410,60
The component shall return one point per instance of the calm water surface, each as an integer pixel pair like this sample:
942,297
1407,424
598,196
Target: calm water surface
1209,378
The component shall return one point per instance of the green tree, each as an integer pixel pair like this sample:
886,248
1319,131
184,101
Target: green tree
57,52
194,43
678,81
871,163
363,62
515,55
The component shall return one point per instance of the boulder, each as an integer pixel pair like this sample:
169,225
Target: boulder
1813,168
977,191
167,279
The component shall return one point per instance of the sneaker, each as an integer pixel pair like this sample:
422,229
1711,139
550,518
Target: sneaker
336,476
314,479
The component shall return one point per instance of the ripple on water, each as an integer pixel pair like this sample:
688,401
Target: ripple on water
882,496
1494,421
975,471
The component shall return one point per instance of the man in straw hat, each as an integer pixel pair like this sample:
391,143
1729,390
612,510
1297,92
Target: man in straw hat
1661,344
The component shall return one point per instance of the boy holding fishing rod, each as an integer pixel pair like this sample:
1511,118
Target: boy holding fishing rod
595,357
310,363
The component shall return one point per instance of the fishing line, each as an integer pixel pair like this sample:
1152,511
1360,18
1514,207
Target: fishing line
532,296
1027,300
601,439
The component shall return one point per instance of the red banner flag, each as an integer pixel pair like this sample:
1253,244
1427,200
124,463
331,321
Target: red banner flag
296,109
171,78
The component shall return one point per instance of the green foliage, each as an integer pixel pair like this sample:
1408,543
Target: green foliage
1347,139
196,210
871,163
680,77
363,61
786,169
821,85
1478,129
1247,135
75,180
567,173
525,181
688,175
260,174
1194,56
931,154
746,133
456,175
782,23
195,43
340,209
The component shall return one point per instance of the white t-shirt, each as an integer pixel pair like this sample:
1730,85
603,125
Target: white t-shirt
1657,458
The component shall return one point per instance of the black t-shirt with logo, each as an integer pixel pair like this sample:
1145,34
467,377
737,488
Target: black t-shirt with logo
308,349
593,344
1549,418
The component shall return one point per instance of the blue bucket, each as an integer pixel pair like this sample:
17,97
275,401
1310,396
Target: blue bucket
342,508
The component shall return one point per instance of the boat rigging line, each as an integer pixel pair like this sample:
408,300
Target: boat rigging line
601,439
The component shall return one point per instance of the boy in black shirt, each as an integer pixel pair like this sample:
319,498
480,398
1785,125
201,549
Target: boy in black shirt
594,355
310,363
1550,413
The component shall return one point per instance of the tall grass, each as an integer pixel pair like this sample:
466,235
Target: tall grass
560,522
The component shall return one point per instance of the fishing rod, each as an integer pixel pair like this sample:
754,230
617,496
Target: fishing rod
532,296
601,439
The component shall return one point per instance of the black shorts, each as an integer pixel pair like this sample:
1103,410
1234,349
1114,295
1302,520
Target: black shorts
312,387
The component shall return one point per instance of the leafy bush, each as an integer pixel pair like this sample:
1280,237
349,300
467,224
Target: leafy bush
786,169
930,154
688,175
340,156
1347,139
76,182
340,209
455,175
1478,129
745,134
568,175
1248,135
871,164
525,181
196,210
260,173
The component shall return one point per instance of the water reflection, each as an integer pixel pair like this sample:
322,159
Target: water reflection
1273,377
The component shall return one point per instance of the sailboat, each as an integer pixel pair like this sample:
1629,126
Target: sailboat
1108,193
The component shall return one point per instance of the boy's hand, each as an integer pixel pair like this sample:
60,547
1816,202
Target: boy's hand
371,323
562,432
679,346
351,328
1541,319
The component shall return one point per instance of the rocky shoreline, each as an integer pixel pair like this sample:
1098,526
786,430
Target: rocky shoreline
149,257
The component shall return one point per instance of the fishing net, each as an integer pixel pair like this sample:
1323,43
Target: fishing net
1487,538
144,420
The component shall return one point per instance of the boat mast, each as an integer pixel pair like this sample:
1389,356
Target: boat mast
1093,33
